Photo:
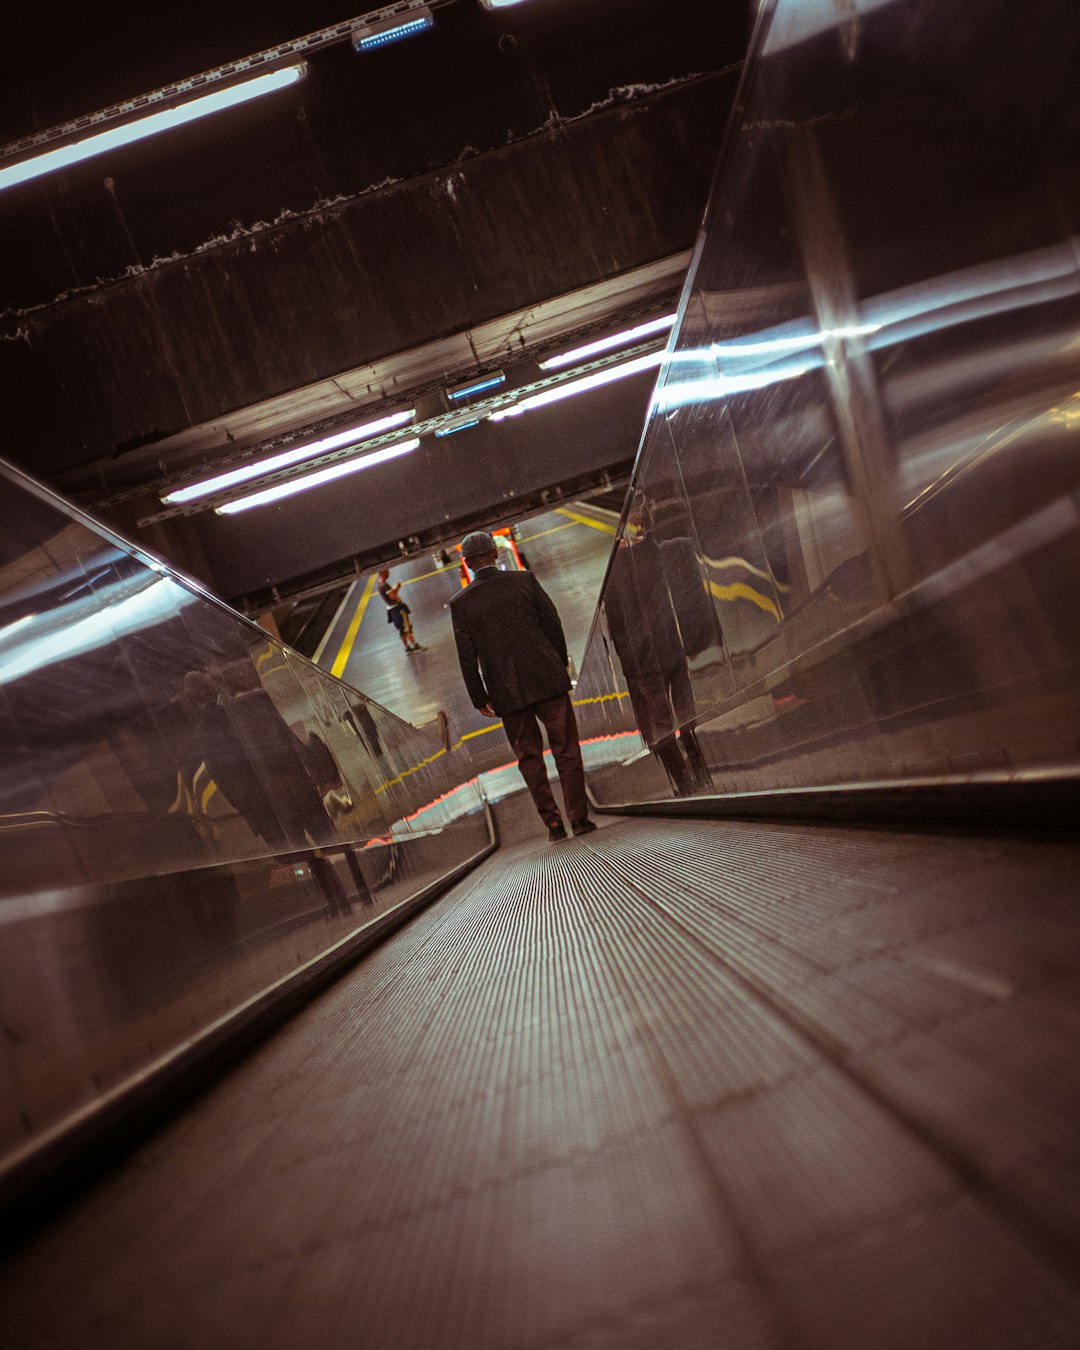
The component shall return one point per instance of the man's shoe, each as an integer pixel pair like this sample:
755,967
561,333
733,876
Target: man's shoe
583,826
556,830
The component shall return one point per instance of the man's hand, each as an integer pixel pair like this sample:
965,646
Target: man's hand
488,710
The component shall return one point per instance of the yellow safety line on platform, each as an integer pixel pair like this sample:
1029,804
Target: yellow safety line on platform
483,731
584,520
450,567
342,658
553,530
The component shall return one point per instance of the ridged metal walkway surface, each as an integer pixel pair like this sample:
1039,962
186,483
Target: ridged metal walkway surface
686,1084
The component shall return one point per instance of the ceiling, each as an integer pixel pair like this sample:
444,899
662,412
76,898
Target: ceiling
469,199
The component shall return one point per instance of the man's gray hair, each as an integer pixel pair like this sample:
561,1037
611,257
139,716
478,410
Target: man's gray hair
477,544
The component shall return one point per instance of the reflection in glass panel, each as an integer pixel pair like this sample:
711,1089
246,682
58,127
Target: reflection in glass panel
602,703
335,757
194,736
265,703
804,514
664,509
187,812
870,401
619,765
652,656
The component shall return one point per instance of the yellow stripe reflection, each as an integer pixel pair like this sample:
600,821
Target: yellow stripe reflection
450,567
342,658
718,563
739,590
600,698
481,731
405,772
554,529
268,653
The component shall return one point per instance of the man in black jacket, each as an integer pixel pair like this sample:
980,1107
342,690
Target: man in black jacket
513,656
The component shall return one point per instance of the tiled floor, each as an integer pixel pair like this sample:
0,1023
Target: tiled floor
683,1083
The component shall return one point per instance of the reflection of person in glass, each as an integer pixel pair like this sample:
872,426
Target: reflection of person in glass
228,762
256,760
641,617
296,774
365,726
280,756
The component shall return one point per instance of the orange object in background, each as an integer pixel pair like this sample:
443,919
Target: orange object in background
510,558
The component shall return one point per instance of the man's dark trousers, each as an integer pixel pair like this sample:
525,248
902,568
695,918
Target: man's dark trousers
523,732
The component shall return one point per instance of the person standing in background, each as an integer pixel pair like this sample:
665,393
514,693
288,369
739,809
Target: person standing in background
398,612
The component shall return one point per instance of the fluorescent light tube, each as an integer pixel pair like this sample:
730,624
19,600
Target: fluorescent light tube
207,487
572,387
477,386
605,344
451,427
316,479
50,161
384,31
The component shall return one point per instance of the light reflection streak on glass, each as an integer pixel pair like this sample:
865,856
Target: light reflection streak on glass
86,582
9,630
964,462
991,288
156,601
740,590
678,393
796,342
961,297
744,565
796,23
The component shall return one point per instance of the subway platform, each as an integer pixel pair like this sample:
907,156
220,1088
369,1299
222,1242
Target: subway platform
684,1083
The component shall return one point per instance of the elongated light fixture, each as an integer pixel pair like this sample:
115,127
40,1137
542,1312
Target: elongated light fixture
625,338
415,18
50,161
477,386
457,424
207,487
316,479
572,387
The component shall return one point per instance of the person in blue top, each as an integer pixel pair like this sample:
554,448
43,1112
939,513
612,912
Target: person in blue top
397,612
